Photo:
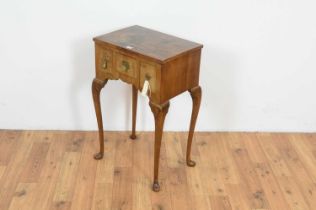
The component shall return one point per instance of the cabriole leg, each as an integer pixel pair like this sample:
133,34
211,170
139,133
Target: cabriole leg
196,94
159,112
134,110
97,86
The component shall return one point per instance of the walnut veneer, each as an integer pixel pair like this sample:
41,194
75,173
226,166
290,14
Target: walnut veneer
171,66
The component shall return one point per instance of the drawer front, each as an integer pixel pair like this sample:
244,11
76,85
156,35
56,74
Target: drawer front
105,60
126,65
115,64
149,72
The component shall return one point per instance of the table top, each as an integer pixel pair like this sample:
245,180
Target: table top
156,45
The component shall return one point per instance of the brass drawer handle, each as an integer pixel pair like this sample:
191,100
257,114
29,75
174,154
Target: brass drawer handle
147,77
125,65
105,64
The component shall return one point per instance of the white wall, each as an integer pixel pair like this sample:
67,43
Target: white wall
258,70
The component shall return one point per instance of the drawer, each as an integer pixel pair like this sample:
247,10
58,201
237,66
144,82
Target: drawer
126,65
149,72
105,60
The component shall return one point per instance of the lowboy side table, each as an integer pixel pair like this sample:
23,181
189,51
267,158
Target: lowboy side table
166,65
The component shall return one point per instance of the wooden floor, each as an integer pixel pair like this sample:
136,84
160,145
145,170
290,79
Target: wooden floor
42,170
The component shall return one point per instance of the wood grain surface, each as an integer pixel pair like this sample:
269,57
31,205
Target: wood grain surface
152,44
234,171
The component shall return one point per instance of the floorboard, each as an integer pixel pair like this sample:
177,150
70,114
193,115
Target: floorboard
234,171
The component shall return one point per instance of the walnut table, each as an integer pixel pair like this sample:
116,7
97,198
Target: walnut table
166,65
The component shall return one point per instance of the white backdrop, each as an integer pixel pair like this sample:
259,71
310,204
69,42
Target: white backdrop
258,70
